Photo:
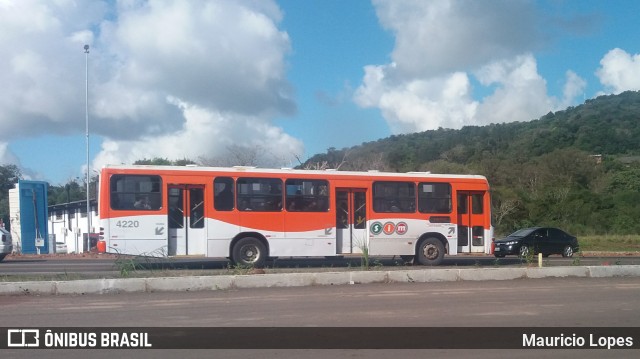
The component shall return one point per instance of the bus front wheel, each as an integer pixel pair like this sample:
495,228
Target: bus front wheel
249,251
430,252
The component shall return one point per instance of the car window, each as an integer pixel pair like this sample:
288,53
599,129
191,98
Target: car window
540,234
556,234
521,232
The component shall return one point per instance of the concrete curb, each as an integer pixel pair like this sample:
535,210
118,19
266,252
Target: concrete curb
221,282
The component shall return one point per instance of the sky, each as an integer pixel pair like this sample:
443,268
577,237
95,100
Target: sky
290,78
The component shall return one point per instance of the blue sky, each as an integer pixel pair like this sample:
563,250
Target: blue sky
290,78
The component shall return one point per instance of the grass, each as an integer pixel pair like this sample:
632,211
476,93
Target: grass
609,243
51,277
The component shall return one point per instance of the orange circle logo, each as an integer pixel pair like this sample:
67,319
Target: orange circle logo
389,228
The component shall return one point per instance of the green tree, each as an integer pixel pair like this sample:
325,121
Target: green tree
156,161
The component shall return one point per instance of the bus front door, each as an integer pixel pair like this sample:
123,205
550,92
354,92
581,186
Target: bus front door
187,225
471,222
351,220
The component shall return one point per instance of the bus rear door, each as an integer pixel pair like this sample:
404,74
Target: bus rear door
187,224
351,220
471,222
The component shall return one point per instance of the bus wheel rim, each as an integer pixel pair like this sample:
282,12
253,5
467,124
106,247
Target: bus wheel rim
249,253
430,251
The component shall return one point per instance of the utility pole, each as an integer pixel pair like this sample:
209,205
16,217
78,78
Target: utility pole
86,76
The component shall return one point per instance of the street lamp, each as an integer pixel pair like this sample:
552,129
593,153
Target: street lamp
86,101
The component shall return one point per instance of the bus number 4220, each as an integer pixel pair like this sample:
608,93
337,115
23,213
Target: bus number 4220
128,224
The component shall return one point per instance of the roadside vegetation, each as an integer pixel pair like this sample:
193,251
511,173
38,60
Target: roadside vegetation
610,243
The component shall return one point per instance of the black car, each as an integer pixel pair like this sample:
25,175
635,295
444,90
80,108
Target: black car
543,240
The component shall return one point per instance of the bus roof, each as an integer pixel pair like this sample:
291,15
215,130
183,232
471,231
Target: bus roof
286,171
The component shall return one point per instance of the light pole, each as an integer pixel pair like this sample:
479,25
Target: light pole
86,110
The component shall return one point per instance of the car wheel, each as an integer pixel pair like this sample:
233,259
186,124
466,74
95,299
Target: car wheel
249,251
524,251
567,251
430,252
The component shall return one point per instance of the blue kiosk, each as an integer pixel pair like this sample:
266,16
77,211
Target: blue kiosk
33,215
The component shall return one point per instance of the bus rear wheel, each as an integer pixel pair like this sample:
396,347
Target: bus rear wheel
249,251
430,252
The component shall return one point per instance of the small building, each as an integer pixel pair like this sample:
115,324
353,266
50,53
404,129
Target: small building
68,224
36,227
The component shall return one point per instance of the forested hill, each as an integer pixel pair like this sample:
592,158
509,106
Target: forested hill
578,169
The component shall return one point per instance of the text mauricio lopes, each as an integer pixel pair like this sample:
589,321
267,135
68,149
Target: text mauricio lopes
576,341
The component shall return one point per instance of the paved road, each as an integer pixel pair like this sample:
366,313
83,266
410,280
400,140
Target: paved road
198,266
553,302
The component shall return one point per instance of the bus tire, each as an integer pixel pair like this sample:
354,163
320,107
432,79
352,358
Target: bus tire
430,252
249,251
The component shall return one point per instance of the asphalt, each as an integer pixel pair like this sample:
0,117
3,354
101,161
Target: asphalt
223,282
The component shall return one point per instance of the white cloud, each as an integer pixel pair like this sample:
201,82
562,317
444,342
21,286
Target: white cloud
418,104
205,134
573,88
520,93
217,54
46,82
6,156
619,71
166,78
442,36
441,46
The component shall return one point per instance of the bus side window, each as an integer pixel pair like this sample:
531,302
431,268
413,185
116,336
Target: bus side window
434,197
224,194
307,195
259,194
136,192
394,197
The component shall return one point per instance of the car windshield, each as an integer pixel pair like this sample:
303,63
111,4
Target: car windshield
522,232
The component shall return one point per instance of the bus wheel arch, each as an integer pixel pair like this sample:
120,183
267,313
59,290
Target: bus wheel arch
431,249
249,249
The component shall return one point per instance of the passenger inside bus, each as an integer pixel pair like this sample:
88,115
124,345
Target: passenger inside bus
245,205
224,199
142,203
296,204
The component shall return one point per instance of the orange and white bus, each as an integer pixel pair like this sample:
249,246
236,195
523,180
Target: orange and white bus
248,214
